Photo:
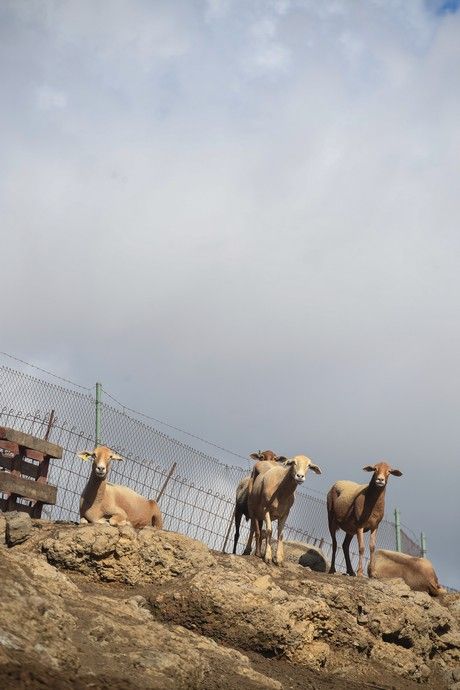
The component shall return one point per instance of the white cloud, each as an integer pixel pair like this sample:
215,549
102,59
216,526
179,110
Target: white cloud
217,9
50,99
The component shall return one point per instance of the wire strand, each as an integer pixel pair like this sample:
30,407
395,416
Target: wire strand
140,414
171,426
45,371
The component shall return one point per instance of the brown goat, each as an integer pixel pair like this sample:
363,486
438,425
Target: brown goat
417,573
101,500
271,499
358,508
265,460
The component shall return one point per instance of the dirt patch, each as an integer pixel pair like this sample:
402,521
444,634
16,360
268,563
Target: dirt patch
291,676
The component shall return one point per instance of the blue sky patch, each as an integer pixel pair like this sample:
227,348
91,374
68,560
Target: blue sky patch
442,7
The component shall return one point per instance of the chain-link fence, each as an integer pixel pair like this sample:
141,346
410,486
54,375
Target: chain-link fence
197,490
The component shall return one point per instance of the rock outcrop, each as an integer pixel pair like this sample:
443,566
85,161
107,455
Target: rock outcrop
104,605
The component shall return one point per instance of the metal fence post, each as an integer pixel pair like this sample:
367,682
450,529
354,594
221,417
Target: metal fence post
423,544
98,413
166,481
230,525
50,425
398,530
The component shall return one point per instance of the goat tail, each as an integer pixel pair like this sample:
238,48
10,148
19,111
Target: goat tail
157,518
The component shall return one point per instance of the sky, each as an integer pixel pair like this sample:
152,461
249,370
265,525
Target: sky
242,217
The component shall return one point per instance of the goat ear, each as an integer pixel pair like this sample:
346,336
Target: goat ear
369,468
115,456
289,461
281,458
85,455
315,468
255,456
396,473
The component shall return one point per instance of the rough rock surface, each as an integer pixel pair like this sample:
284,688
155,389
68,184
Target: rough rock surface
104,606
18,527
307,555
127,555
81,638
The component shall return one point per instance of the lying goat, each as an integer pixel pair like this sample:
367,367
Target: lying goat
101,500
416,572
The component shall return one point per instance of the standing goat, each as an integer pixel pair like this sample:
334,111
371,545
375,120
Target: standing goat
265,460
271,499
101,500
358,508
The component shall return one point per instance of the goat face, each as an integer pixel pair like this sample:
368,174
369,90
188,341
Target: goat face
299,466
267,455
101,457
381,473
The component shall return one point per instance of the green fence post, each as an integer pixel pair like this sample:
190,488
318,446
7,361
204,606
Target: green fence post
98,413
423,544
398,530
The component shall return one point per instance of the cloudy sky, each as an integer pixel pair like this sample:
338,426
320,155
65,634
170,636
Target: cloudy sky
242,216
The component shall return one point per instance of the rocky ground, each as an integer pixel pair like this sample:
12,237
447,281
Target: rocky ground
106,607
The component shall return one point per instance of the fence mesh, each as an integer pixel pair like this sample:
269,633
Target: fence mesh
198,499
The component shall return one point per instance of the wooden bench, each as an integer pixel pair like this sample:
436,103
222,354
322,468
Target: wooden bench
25,460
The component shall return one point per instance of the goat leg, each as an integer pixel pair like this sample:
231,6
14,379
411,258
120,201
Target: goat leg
346,552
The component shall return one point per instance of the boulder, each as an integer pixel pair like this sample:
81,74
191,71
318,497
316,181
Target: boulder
125,554
314,559
306,555
18,527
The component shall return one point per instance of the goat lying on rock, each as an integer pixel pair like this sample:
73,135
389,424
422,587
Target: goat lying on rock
418,573
272,497
101,500
358,508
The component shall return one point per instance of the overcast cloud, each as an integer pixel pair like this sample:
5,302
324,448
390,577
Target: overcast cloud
242,217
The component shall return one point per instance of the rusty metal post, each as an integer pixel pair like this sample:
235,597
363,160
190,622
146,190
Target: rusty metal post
166,481
50,425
